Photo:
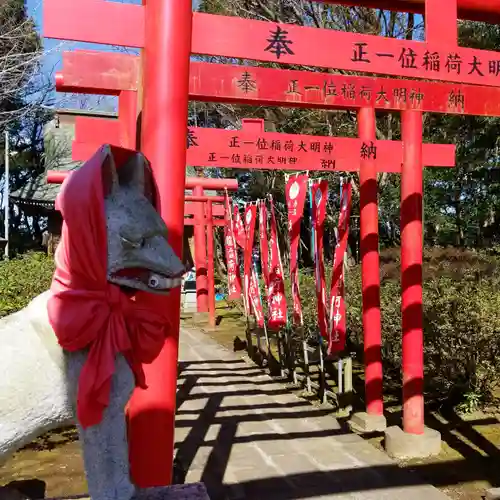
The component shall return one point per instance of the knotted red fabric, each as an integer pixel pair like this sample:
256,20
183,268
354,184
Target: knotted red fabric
85,310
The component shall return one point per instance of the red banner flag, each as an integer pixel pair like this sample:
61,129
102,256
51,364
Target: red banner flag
319,201
337,327
255,300
239,228
296,190
264,245
233,269
276,292
249,230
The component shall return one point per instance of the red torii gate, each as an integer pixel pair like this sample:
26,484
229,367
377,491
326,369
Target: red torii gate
204,83
374,370
204,222
243,84
252,147
208,204
166,79
474,10
386,157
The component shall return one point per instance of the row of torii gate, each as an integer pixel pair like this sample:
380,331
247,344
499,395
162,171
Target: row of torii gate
154,90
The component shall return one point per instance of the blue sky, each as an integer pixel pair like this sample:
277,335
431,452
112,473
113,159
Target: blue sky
53,48
52,60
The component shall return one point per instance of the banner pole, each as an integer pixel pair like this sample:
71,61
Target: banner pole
311,221
262,307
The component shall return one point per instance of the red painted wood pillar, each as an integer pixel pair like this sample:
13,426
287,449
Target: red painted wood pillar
164,125
370,268
127,113
411,272
210,264
441,22
200,253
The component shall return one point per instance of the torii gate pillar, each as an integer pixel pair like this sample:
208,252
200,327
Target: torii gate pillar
200,254
164,123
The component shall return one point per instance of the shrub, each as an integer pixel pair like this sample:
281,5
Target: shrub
22,279
461,321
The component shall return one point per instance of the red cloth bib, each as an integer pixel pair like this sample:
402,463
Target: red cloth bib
85,310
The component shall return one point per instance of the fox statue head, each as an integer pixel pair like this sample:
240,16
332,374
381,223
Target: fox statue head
139,256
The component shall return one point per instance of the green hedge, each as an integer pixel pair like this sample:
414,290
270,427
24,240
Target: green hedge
461,316
461,321
22,279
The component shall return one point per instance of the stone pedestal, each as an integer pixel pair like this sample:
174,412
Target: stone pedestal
189,301
400,444
363,422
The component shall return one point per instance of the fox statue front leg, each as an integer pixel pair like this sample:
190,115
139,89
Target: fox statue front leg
105,452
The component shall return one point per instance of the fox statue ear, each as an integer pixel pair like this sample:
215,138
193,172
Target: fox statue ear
137,173
109,175
149,183
131,173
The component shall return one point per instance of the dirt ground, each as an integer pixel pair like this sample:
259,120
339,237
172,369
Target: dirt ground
54,458
468,464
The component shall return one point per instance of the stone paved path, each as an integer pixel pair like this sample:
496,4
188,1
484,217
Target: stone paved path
246,436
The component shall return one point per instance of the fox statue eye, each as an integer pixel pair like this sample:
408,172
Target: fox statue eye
133,243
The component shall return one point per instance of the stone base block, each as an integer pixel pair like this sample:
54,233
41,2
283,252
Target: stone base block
364,422
400,444
492,494
200,317
189,302
195,491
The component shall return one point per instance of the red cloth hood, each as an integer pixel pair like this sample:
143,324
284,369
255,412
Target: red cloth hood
85,310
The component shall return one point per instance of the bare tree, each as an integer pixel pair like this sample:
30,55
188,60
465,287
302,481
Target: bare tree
20,56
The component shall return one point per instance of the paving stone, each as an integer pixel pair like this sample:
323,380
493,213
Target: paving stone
293,463
324,422
254,428
274,447
246,436
250,473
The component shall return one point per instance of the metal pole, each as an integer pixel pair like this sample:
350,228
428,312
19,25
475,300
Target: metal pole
168,29
411,273
6,194
268,343
370,266
210,265
311,221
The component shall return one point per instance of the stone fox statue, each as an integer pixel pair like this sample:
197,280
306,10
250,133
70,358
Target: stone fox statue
81,345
